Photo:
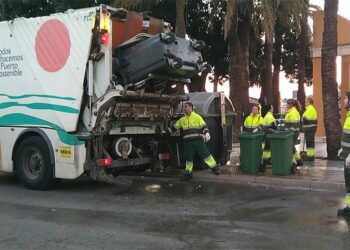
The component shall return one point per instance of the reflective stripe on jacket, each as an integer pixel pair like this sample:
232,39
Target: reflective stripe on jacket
309,118
253,122
345,137
192,125
292,120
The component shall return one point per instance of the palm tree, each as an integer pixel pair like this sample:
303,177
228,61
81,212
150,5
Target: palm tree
277,63
267,9
284,11
302,49
238,24
237,32
329,84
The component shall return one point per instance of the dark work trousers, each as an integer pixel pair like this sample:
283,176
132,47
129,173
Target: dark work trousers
310,142
347,174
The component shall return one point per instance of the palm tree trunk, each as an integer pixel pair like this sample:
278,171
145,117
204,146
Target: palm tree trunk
329,84
266,86
276,90
301,66
277,57
180,26
238,49
302,44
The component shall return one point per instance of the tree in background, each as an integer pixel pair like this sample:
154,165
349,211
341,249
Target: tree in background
292,53
180,27
238,24
303,41
267,10
285,12
329,84
204,22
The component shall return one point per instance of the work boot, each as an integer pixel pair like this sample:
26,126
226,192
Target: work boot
299,163
187,176
344,212
216,170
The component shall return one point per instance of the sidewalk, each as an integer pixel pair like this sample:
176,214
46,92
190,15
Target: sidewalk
319,175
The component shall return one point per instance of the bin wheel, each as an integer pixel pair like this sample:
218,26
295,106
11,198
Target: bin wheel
294,169
262,168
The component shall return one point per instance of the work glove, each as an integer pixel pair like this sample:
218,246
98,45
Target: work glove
340,151
255,130
206,137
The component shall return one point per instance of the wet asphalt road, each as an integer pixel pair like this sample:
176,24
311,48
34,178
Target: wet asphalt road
154,214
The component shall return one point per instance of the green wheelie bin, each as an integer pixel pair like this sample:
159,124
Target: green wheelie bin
282,152
251,151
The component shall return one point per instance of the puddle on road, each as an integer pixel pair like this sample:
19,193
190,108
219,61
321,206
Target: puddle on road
153,188
175,188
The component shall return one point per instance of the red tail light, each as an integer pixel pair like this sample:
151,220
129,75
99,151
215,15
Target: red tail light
104,162
105,38
164,156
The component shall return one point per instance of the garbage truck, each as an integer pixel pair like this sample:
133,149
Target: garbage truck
91,91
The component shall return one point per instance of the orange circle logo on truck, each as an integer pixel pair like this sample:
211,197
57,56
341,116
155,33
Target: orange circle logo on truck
52,45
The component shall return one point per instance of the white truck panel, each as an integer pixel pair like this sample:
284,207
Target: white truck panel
42,69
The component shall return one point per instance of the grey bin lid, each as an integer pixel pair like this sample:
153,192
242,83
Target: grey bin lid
207,104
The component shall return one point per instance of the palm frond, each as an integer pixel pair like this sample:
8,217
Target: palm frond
267,10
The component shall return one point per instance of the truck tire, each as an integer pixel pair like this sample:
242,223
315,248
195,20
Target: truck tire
32,162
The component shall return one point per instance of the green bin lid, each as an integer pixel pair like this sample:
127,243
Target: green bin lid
281,135
250,135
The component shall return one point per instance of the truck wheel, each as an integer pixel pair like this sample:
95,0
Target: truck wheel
33,165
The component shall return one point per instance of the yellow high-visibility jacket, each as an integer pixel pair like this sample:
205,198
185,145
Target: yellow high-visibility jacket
192,125
309,118
292,120
345,137
253,122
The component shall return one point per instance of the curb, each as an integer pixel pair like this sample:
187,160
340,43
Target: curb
303,184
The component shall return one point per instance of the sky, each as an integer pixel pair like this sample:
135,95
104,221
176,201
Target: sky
343,8
287,88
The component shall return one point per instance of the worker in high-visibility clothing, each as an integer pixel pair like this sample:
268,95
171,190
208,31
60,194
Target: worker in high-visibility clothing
292,123
254,122
345,150
195,135
270,127
309,126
